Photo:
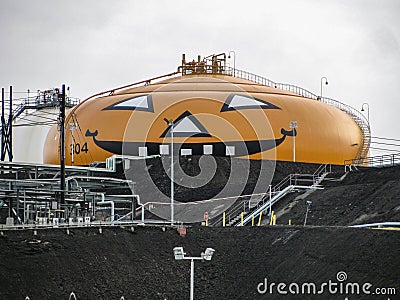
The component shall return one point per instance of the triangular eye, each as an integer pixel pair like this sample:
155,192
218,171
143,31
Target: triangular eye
186,125
238,102
142,103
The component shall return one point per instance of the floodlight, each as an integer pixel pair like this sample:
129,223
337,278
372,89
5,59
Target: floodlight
207,255
179,253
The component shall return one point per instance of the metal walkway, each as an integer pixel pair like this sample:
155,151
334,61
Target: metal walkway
252,205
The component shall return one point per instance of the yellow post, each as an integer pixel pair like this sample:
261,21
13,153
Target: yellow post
223,219
252,220
259,219
274,220
241,218
206,222
290,222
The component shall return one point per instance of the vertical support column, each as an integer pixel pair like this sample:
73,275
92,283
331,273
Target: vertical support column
61,99
191,279
172,172
6,128
10,120
3,126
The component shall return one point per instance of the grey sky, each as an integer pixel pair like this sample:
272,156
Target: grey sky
95,45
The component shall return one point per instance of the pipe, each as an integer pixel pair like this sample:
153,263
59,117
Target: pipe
62,144
112,208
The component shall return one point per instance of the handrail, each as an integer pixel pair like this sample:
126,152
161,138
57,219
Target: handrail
145,82
38,101
386,160
290,180
274,199
361,121
380,224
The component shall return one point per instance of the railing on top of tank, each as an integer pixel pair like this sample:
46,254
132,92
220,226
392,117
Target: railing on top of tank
387,160
38,101
357,116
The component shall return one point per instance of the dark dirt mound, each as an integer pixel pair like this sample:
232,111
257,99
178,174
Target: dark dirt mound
155,171
365,196
140,264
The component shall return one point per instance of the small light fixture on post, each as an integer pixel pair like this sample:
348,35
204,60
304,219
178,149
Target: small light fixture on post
171,130
308,204
180,255
293,125
234,61
362,109
322,81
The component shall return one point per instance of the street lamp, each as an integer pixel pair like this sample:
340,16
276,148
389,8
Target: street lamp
308,203
326,83
171,130
362,109
234,61
180,255
294,125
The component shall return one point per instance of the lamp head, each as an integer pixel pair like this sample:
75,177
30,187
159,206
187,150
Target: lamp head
207,255
179,253
362,108
308,202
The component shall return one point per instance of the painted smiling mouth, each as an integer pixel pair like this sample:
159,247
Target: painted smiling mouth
232,148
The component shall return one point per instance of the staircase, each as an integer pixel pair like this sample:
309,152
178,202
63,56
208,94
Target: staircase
252,205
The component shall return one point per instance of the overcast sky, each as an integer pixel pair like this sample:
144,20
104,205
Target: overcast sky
95,45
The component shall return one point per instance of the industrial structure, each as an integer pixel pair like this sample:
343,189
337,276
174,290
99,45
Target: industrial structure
204,108
216,110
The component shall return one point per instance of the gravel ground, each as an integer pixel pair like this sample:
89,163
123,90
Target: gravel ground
140,264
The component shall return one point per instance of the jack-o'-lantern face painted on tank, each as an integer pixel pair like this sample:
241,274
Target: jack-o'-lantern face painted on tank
220,126
212,114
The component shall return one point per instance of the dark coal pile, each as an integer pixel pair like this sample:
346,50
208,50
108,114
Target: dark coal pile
368,195
140,264
155,172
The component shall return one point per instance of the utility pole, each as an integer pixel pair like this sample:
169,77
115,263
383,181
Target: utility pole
6,128
61,123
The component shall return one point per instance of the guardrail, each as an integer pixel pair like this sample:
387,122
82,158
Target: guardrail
246,203
94,224
361,121
387,160
357,116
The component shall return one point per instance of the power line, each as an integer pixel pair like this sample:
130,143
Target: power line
381,138
387,144
382,149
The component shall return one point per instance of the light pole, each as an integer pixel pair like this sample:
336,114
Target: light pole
270,199
72,127
234,61
180,254
171,130
308,204
326,83
362,109
293,125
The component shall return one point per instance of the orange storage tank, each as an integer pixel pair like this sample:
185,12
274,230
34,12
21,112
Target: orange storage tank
213,113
